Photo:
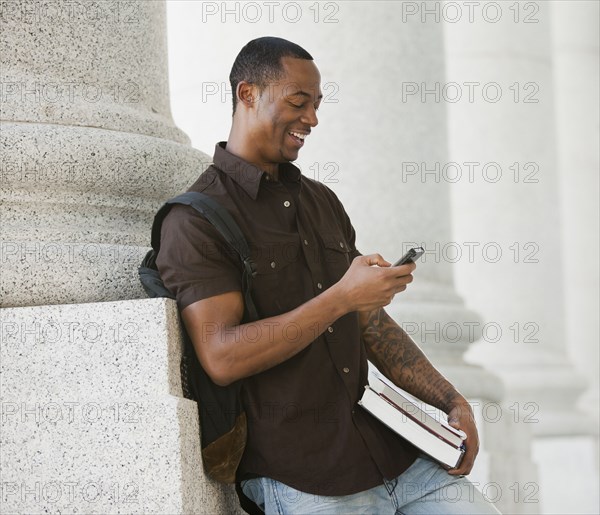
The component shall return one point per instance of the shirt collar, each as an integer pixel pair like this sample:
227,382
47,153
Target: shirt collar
249,175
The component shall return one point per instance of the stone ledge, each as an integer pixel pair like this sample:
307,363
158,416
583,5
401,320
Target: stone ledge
93,420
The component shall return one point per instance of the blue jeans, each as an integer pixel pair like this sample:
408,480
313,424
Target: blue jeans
424,488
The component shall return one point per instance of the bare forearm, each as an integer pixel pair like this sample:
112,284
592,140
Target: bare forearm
401,360
247,349
229,351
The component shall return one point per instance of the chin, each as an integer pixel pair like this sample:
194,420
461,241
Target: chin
287,157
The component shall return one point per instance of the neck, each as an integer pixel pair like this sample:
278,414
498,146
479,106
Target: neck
241,145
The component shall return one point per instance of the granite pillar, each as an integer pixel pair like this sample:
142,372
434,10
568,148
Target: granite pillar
89,148
93,417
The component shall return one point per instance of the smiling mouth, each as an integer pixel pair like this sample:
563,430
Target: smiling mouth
298,137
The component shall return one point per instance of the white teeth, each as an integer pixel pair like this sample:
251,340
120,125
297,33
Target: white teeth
298,135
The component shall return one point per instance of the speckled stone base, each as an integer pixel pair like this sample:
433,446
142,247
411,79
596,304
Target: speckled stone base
93,420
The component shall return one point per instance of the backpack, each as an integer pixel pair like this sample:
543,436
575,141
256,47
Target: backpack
221,415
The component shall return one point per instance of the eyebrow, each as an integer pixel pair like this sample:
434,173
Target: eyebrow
304,94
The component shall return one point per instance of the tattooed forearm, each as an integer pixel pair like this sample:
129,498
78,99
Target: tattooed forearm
400,359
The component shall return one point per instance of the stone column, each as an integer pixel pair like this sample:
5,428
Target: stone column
576,72
503,139
575,53
89,149
93,419
512,204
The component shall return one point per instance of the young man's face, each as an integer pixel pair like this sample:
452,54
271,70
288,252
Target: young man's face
286,112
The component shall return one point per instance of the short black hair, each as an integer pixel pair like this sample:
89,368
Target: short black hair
259,62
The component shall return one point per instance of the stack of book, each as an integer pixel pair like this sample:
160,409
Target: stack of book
412,419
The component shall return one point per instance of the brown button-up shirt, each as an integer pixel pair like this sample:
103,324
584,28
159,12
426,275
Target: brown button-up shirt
305,428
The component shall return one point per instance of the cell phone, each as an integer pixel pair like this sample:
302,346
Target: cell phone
411,256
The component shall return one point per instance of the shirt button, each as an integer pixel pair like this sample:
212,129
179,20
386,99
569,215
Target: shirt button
320,286
305,242
346,370
341,244
273,265
330,329
287,203
353,412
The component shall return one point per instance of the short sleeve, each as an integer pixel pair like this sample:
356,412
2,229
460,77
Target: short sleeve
195,262
348,228
351,235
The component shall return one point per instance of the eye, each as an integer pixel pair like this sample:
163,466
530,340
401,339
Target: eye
296,105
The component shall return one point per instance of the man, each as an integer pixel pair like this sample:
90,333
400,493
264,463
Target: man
310,447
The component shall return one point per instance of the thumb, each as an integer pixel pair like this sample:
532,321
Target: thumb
453,418
453,421
376,259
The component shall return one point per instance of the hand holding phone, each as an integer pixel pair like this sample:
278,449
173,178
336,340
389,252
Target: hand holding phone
411,256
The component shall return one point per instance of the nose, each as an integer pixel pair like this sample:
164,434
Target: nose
309,117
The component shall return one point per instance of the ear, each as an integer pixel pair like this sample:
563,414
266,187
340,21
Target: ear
247,94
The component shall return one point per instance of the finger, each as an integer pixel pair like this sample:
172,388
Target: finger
404,269
406,279
465,467
400,285
462,471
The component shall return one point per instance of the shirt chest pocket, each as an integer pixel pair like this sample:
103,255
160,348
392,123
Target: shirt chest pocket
278,284
336,255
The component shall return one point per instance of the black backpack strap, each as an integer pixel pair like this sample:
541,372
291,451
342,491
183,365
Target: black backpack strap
218,216
247,504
